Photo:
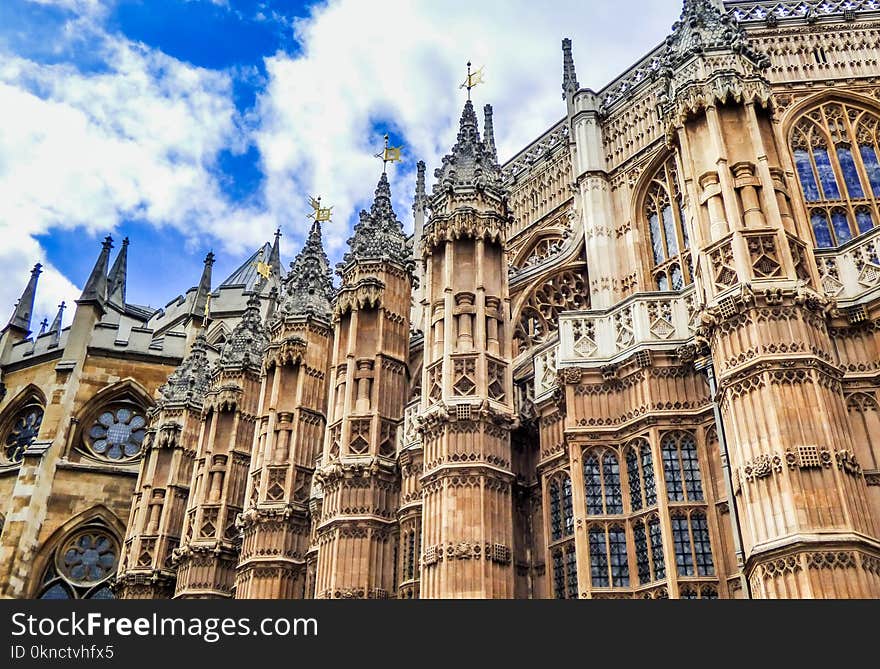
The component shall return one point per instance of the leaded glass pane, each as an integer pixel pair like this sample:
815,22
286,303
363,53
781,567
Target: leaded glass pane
643,563
840,221
558,576
672,471
656,239
611,476
555,512
635,484
864,219
702,546
807,178
677,278
57,591
593,485
567,508
618,557
872,167
826,174
819,219
681,539
850,173
662,281
669,229
648,474
571,572
657,549
691,469
598,558
119,434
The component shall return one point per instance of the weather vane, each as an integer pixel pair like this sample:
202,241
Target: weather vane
473,78
319,214
263,268
390,154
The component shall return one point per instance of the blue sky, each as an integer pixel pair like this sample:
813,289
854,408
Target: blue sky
197,125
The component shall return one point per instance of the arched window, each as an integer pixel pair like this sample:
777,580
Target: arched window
609,566
681,467
561,508
640,476
663,209
693,550
649,550
539,317
837,156
21,431
82,565
602,483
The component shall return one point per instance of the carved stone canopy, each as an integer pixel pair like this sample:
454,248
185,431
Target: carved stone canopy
245,345
192,377
308,287
472,162
379,233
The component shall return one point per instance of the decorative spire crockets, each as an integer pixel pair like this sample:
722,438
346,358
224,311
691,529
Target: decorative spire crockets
570,84
245,345
24,308
379,233
472,162
189,382
308,288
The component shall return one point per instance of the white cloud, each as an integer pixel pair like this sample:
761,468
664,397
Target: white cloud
140,138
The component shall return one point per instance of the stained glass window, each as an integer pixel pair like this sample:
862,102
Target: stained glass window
681,467
602,484
117,433
22,432
835,149
664,212
598,558
693,550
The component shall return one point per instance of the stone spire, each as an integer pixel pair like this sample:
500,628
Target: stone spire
116,280
55,328
189,382
379,234
245,345
96,286
308,287
275,254
489,133
204,288
471,163
420,200
570,84
21,315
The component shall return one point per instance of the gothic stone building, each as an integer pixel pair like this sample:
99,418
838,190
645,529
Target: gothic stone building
640,359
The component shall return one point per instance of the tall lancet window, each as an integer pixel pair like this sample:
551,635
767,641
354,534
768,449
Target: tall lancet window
562,550
663,209
837,156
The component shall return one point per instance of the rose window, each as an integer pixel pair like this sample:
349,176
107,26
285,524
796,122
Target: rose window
88,558
117,434
22,433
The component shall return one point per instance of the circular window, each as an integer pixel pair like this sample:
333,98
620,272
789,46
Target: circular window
88,557
117,433
22,432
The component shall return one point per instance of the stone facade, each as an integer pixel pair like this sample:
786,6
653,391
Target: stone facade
637,360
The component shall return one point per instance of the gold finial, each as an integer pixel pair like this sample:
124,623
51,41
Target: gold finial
473,78
390,154
319,214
